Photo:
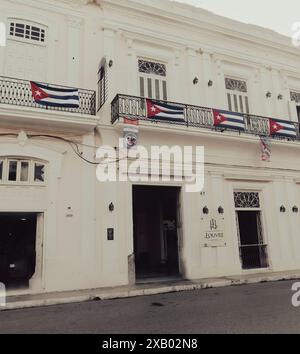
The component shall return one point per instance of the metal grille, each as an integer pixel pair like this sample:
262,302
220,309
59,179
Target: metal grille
246,200
102,85
236,85
150,67
295,96
18,92
195,116
254,256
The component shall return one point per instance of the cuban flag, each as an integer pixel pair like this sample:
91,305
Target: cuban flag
282,128
53,96
229,120
165,111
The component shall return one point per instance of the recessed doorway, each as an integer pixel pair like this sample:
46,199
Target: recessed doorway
156,245
17,249
253,251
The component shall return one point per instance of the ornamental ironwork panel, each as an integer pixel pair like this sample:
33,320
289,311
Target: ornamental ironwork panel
295,96
236,85
18,92
246,200
194,116
150,67
257,125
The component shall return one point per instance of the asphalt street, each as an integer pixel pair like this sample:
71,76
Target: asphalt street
259,308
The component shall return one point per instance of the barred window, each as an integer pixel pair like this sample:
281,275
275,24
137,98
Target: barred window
295,97
153,79
237,95
24,30
21,171
102,84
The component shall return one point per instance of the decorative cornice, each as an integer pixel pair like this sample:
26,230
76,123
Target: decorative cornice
75,22
205,20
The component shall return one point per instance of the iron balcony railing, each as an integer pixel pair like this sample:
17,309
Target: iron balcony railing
134,107
18,92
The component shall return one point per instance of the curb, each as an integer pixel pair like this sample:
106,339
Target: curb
102,295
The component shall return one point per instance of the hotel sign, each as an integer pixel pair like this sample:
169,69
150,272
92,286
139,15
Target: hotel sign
214,234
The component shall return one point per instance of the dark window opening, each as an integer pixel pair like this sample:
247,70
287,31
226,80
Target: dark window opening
102,86
17,249
298,113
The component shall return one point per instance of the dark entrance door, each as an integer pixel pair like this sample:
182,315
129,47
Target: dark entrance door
17,249
253,251
155,231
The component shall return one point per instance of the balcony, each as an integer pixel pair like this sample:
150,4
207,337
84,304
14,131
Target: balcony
133,107
18,93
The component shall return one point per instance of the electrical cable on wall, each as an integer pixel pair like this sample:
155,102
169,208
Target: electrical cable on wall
73,145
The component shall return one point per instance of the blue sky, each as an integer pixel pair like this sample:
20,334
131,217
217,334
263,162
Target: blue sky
273,14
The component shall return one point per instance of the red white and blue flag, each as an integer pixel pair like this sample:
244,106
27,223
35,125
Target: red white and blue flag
265,145
228,120
165,111
54,96
282,128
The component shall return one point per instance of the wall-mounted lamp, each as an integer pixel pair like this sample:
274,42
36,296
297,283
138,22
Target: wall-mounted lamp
221,210
111,207
205,210
280,96
110,63
210,83
268,94
195,81
282,209
295,209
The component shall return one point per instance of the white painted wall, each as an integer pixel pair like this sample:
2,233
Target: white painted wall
192,43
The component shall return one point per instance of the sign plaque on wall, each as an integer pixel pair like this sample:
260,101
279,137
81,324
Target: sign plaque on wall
214,234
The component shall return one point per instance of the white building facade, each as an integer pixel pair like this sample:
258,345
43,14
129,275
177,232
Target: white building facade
65,230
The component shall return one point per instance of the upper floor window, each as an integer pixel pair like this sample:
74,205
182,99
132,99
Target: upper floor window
295,97
237,95
21,171
102,84
153,80
27,31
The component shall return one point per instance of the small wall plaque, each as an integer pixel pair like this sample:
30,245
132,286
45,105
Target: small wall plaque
110,234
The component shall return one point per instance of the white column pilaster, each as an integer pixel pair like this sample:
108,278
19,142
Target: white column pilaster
207,75
74,68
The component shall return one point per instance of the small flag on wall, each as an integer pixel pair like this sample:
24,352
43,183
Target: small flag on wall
265,145
165,111
54,96
228,120
130,134
282,128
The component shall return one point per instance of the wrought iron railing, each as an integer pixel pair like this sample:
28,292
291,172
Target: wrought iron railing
254,256
18,92
134,107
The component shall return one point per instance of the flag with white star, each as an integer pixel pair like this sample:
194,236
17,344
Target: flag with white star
282,128
229,120
165,111
54,96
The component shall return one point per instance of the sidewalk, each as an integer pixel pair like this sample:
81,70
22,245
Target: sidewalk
48,299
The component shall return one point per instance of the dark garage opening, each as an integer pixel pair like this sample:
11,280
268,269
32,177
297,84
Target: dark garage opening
155,211
253,251
17,249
